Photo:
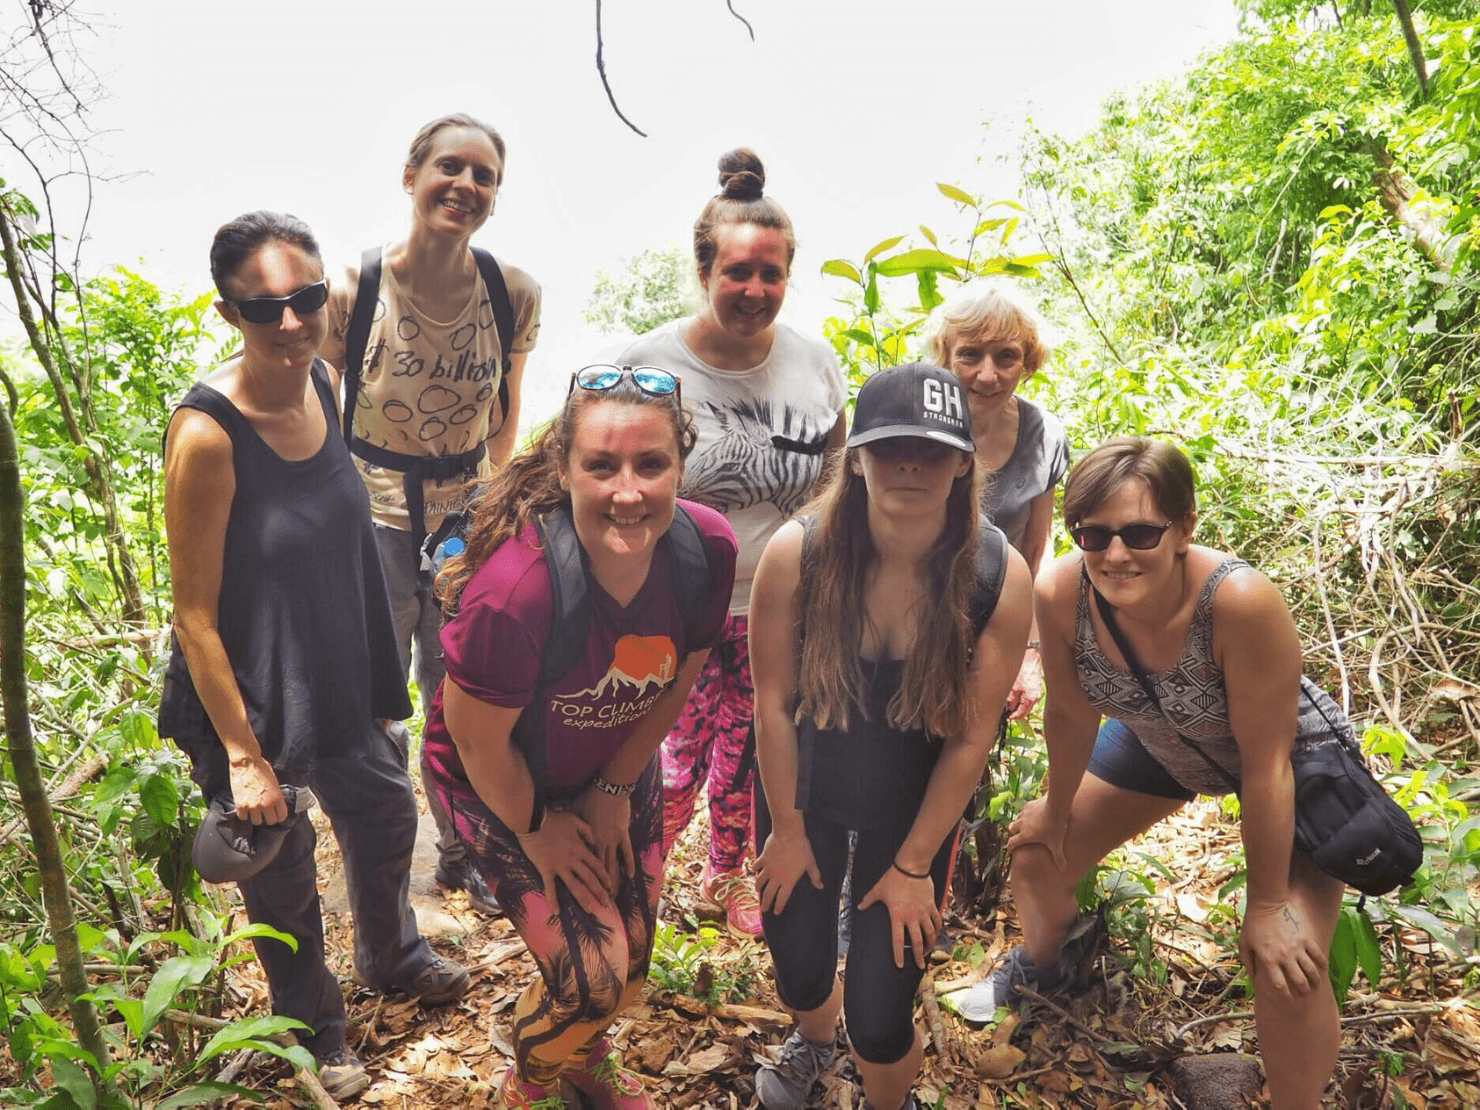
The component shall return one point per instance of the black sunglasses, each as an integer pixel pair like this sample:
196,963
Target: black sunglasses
1138,537
269,310
602,376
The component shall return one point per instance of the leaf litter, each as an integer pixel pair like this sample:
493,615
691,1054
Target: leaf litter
1168,985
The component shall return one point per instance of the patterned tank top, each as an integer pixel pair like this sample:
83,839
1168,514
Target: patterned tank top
1193,695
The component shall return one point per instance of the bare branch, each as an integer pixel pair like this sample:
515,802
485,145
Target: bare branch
730,4
1415,48
601,69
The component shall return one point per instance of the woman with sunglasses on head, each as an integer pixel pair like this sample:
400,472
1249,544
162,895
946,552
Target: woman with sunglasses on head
435,397
1215,642
549,770
282,662
768,403
887,627
992,337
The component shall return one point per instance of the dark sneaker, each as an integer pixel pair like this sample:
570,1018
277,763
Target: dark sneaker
1003,986
785,1085
463,874
342,1075
442,980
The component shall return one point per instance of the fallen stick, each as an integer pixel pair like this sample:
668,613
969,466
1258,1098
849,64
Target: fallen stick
945,1047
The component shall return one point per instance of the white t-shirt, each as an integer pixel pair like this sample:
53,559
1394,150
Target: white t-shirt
761,432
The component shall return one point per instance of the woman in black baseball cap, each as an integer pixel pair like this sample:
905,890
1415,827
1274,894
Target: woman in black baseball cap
886,629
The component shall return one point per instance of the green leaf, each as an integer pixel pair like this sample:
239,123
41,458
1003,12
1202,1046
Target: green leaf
930,235
929,294
1421,918
175,976
843,269
1343,961
880,248
161,798
253,1032
859,336
73,1079
871,290
913,262
260,929
1033,259
1369,950
198,1094
961,196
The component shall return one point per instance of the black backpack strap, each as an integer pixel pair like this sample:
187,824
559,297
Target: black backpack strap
1107,614
570,616
503,319
358,334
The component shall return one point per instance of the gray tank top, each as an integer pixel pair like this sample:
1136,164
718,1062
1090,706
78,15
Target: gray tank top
1192,694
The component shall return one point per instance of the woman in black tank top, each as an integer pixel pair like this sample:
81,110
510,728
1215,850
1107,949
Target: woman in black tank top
884,639
283,658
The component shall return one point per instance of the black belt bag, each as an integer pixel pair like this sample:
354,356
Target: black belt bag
1344,819
415,470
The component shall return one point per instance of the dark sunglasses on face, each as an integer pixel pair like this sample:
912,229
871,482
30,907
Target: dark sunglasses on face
898,448
602,376
269,310
1138,537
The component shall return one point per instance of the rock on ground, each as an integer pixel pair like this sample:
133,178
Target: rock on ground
1219,1081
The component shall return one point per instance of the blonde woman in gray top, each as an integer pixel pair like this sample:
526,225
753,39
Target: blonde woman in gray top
994,339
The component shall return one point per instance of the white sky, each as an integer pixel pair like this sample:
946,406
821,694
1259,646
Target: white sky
856,109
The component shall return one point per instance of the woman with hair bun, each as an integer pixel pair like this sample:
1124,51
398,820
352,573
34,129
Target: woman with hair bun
768,402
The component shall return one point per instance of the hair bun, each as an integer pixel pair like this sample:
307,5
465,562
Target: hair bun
741,175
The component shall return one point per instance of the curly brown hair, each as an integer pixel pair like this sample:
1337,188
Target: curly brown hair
528,486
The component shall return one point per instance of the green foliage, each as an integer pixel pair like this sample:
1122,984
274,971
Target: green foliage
695,964
652,288
150,1054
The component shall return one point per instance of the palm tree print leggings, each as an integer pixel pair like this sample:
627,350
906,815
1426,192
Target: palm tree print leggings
592,965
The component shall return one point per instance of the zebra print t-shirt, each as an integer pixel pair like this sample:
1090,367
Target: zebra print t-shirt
761,432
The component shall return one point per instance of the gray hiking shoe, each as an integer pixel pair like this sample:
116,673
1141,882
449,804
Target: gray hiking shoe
342,1075
1003,986
785,1085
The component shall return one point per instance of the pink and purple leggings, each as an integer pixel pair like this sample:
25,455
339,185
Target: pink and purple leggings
707,743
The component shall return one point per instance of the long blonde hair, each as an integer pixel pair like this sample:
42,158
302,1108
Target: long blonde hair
528,486
933,692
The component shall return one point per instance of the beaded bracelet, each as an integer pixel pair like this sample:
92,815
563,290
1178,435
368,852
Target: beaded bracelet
910,874
612,788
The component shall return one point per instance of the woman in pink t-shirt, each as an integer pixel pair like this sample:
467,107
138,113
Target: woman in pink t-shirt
553,783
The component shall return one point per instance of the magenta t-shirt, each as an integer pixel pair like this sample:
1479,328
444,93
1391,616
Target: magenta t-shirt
493,650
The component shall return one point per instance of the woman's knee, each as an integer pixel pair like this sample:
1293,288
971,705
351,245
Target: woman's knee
879,1034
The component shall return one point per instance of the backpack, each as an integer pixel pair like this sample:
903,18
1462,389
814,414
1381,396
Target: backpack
415,469
570,617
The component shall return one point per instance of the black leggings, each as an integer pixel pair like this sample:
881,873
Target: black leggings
878,998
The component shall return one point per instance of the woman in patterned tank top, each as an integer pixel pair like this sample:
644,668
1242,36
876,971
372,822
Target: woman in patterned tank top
1190,618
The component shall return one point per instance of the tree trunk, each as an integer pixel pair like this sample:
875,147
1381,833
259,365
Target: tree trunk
1396,191
22,749
1415,48
120,558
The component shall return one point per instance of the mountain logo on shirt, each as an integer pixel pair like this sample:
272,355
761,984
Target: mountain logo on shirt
638,663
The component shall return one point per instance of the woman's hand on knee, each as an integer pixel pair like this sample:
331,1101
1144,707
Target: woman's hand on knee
784,859
1279,948
914,918
1035,826
563,850
610,821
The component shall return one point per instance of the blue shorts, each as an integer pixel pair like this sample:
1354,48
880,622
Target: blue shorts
1122,760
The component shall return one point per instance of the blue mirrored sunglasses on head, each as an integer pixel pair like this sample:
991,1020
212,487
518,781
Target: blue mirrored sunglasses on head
269,310
1138,537
604,375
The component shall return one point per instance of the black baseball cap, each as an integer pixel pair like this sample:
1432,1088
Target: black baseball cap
917,399
229,849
